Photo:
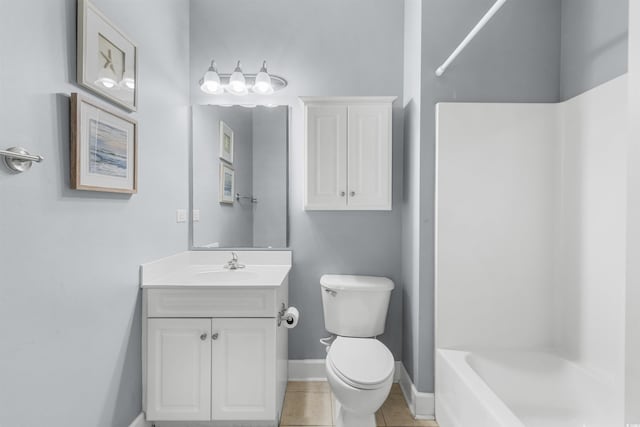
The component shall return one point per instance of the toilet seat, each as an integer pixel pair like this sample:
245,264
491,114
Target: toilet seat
363,363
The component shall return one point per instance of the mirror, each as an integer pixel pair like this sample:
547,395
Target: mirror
239,176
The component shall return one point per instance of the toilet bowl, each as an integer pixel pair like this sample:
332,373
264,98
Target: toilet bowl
360,374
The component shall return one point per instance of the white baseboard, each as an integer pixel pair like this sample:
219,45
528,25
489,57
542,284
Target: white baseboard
421,405
313,370
140,421
307,370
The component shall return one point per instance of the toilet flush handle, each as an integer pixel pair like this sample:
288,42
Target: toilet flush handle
330,292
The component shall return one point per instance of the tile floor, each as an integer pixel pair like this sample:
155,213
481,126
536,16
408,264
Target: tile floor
310,404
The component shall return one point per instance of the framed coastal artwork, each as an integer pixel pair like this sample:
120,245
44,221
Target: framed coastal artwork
103,150
227,184
226,143
106,58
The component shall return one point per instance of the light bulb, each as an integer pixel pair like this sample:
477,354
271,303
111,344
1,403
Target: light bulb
210,82
262,84
237,83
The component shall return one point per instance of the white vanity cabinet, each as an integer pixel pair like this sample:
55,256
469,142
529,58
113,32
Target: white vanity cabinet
348,153
215,354
211,369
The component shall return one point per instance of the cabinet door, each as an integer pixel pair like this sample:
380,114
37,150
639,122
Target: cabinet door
179,369
369,164
244,366
326,157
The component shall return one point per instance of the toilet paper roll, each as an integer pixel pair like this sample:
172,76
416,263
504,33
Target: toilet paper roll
290,317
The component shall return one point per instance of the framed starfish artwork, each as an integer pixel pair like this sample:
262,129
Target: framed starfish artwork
107,58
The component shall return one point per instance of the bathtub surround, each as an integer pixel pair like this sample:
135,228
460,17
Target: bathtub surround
69,304
531,199
495,198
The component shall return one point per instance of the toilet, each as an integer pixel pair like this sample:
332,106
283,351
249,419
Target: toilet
359,367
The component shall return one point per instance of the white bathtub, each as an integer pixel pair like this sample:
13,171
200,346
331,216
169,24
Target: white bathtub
519,389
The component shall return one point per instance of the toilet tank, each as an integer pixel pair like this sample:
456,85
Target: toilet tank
355,306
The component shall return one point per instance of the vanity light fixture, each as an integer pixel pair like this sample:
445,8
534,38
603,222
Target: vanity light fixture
238,83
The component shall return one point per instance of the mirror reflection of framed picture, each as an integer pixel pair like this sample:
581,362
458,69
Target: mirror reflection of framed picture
227,184
226,143
107,58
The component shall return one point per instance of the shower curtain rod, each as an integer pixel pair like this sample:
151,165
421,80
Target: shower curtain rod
479,26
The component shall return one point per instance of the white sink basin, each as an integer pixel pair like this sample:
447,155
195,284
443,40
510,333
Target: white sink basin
206,269
207,275
228,276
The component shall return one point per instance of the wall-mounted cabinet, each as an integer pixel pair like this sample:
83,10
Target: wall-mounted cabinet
348,147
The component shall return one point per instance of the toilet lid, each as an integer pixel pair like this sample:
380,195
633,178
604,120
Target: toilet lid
361,362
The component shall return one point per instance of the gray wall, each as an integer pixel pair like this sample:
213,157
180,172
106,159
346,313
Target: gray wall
229,225
69,298
594,43
270,128
514,59
323,47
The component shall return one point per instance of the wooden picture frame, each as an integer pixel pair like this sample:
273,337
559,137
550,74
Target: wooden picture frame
226,143
103,148
227,184
107,60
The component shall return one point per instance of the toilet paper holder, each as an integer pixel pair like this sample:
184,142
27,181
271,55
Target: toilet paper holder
282,317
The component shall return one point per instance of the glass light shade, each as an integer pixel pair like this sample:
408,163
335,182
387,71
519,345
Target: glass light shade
106,78
211,83
237,82
262,84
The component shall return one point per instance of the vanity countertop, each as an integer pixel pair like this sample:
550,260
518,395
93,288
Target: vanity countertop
200,269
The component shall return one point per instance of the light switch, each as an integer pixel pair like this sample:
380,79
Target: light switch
196,215
181,215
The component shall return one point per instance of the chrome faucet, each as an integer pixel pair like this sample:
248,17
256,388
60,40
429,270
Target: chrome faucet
233,263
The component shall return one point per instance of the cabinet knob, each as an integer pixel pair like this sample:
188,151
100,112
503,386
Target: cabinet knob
203,336
214,336
342,194
353,193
